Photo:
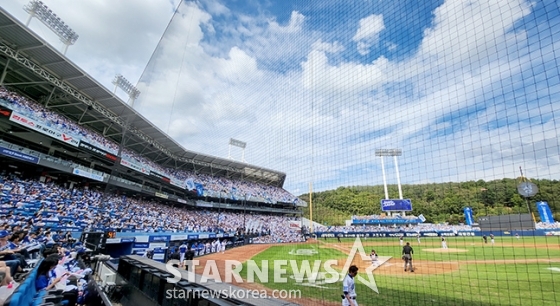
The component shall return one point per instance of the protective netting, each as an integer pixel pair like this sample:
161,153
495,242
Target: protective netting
467,90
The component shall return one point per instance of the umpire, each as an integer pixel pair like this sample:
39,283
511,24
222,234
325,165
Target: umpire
407,252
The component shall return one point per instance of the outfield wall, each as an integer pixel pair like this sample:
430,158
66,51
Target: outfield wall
539,232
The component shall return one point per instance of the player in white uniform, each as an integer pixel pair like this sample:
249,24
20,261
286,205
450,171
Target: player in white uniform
223,246
443,243
349,288
182,251
418,238
373,257
401,240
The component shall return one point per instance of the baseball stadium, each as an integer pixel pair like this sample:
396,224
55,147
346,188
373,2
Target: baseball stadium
222,153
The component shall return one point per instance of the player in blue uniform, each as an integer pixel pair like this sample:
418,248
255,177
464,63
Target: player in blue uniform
182,251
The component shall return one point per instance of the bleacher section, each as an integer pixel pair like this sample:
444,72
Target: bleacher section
25,112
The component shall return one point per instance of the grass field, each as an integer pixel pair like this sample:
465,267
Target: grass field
510,272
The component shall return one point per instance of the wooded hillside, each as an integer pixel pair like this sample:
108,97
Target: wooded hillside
442,202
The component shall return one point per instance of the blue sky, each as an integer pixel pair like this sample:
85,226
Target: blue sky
467,89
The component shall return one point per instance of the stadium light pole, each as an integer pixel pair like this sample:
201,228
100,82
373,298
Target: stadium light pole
39,10
121,82
239,144
395,153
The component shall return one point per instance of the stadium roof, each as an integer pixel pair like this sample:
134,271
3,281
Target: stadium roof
33,67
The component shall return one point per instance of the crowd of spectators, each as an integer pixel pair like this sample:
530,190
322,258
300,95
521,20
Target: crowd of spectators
212,186
32,214
542,225
29,203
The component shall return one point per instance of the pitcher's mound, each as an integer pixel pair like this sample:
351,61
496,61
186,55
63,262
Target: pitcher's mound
440,250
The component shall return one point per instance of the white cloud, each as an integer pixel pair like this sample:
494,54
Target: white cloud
334,47
294,25
322,119
368,33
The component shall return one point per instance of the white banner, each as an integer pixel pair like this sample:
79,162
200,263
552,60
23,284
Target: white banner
134,166
90,175
162,195
43,129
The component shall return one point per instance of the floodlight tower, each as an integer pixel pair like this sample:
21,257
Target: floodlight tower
394,153
239,144
37,9
120,82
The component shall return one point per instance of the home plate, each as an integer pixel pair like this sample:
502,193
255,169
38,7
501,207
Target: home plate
380,261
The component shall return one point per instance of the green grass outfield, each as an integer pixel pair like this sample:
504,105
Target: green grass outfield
523,279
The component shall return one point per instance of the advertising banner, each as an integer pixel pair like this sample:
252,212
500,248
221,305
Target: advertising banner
161,177
385,221
161,195
43,129
5,112
468,216
544,212
19,155
97,151
87,174
396,205
134,166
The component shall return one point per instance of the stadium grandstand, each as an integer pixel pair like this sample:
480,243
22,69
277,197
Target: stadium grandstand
97,202
77,159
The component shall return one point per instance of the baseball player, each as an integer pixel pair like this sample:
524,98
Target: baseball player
443,243
401,239
492,238
223,246
517,235
373,257
348,287
418,237
182,251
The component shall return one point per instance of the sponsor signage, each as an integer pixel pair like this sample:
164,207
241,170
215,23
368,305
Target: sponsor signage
544,212
87,174
178,237
385,221
133,166
19,155
469,220
162,195
43,129
159,238
177,183
203,204
295,225
396,205
393,234
192,237
161,177
97,151
140,245
5,112
113,240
